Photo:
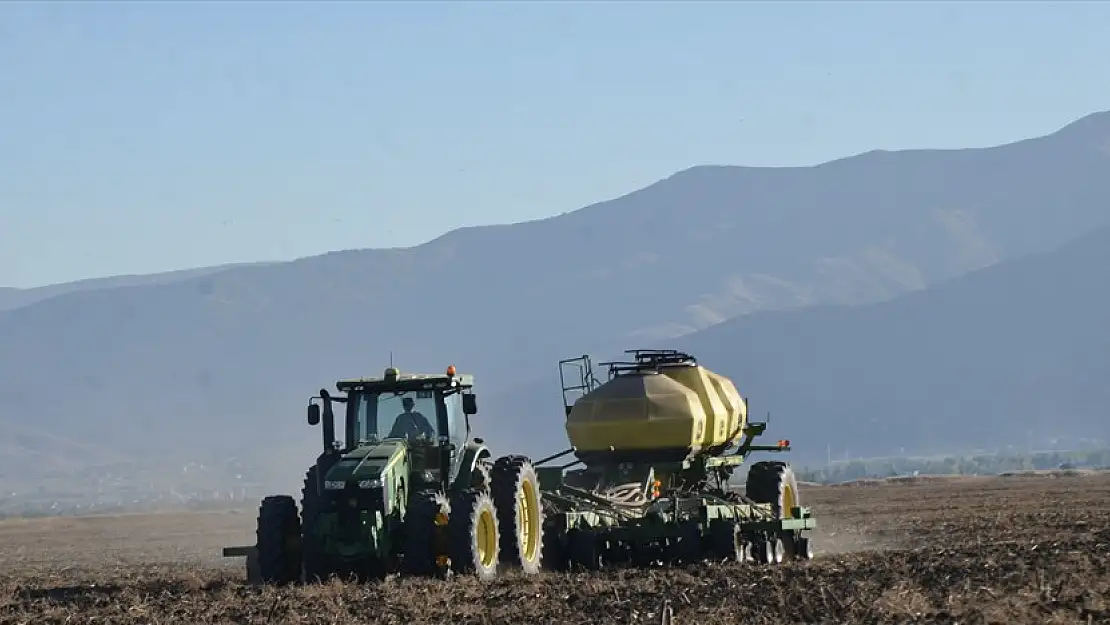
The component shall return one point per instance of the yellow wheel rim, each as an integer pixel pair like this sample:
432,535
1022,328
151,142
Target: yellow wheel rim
487,538
530,522
789,501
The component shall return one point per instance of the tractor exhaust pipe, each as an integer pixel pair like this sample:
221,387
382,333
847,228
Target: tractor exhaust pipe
329,421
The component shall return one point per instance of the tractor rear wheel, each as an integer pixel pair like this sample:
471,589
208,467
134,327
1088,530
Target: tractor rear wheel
314,567
472,529
278,537
516,493
425,529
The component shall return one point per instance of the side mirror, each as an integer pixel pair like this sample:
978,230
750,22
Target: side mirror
313,414
470,404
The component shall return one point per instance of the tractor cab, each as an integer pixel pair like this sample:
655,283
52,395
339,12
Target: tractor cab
426,415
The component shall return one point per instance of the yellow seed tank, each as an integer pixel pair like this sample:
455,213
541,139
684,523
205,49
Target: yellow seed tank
673,407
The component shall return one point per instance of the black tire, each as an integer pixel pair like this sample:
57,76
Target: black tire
516,493
474,538
773,482
315,567
423,536
278,538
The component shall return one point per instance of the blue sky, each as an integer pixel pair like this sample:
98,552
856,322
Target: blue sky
148,136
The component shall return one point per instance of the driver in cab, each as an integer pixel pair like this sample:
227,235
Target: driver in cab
411,424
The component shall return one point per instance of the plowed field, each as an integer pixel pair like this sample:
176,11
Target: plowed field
976,550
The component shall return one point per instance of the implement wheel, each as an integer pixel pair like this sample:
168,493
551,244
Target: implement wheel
278,537
425,535
773,482
520,521
473,534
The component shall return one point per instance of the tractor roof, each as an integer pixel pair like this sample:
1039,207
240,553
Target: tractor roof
395,380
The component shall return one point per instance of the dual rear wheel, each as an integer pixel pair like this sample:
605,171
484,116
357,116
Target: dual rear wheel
481,529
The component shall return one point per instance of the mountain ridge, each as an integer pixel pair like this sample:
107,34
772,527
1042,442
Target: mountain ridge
1092,122
230,356
13,297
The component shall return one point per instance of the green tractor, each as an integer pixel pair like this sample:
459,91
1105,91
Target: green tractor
406,491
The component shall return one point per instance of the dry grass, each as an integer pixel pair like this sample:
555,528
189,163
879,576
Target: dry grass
983,550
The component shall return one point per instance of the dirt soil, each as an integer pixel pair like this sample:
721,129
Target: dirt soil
1015,550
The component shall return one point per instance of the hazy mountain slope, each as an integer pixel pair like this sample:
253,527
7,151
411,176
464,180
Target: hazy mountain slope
27,452
230,357
981,361
10,297
14,298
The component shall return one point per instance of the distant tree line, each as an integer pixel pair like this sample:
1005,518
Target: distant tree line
987,464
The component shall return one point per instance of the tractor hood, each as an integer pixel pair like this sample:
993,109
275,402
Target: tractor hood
366,462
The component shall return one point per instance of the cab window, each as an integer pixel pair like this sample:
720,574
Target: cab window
456,420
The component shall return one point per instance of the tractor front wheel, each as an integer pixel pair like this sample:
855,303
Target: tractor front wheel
278,537
425,527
